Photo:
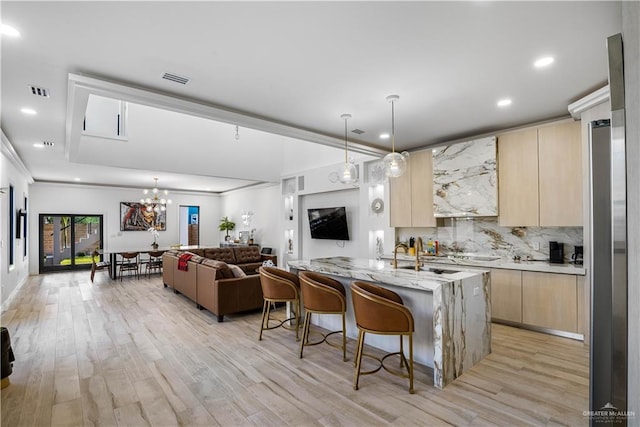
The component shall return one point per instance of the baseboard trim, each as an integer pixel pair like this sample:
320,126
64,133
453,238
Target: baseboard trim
13,293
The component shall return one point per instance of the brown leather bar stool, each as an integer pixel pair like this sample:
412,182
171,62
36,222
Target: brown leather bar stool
381,311
278,286
322,295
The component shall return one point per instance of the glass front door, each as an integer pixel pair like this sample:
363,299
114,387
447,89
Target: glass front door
67,241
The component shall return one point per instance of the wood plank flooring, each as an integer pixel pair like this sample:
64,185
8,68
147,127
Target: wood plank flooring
134,353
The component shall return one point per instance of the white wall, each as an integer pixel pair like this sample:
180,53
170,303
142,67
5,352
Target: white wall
47,198
12,172
264,202
318,248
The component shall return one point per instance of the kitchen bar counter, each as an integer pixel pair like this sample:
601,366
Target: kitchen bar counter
451,310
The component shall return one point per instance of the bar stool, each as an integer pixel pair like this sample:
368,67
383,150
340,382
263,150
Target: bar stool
322,295
278,286
381,311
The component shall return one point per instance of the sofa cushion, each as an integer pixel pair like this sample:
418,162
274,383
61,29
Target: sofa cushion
222,268
199,252
251,267
221,254
237,271
247,254
195,257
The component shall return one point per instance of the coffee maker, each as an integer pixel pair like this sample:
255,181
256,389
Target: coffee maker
577,256
556,253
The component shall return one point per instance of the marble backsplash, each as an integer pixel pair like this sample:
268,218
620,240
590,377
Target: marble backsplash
465,181
484,236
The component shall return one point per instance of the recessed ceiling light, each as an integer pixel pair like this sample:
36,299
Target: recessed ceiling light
29,111
8,30
76,179
384,136
38,145
543,62
504,102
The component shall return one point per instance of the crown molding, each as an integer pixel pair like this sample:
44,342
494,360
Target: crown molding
598,97
14,158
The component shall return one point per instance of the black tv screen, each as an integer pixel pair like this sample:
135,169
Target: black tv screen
328,223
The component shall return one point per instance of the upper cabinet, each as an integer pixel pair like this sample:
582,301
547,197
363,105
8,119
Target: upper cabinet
410,195
540,176
465,179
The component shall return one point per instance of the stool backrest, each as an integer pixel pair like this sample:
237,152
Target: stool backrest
322,293
379,309
279,284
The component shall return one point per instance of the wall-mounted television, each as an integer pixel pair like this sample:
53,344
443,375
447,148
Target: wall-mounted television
328,223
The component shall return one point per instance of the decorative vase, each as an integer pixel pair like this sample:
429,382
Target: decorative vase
154,245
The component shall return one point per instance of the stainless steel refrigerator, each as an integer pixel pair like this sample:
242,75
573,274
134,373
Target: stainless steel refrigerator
608,258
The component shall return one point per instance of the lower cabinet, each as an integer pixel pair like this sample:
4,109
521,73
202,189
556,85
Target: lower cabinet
550,300
506,295
546,300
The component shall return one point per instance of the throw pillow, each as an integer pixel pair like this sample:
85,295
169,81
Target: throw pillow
237,271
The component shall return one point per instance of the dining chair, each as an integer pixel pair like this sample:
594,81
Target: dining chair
154,263
97,265
130,262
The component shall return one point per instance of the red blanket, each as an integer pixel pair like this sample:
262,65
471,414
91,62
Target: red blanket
183,262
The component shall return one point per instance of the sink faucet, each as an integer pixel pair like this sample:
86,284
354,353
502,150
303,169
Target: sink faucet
419,248
394,263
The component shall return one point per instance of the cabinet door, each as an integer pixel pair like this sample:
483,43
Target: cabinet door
422,189
400,200
550,300
560,175
506,295
518,178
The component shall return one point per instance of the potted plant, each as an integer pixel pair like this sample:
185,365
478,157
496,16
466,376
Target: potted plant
226,225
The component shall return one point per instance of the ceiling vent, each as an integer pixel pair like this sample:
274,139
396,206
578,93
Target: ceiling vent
176,78
39,91
358,131
48,143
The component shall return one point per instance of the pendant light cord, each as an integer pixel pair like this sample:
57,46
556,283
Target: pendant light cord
346,159
393,127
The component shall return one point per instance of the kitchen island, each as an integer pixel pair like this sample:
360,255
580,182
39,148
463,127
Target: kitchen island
451,309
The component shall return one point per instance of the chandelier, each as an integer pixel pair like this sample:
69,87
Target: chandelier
155,202
395,164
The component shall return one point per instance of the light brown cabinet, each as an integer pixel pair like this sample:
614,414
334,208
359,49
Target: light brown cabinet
411,195
540,176
545,300
550,300
560,174
506,295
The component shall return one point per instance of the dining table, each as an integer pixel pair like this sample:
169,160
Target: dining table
113,254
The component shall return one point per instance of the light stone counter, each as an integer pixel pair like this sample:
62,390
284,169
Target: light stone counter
451,311
540,266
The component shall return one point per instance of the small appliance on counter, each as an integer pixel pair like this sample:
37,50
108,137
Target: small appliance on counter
556,253
577,257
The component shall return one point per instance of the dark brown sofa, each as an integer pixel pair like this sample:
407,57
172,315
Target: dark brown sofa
248,258
211,284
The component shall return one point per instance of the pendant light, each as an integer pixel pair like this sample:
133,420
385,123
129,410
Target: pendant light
395,164
348,174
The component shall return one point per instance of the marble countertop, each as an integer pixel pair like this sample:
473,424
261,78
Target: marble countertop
540,266
431,277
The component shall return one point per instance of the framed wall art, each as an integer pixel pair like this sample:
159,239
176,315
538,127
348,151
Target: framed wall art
134,216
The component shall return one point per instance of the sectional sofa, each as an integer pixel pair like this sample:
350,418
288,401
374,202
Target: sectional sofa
222,280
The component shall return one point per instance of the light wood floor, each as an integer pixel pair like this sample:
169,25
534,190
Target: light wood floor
134,353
